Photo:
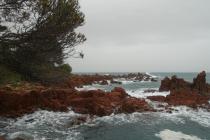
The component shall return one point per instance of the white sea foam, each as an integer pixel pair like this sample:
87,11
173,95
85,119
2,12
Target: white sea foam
22,135
172,135
119,119
44,117
90,87
35,126
200,116
153,76
141,94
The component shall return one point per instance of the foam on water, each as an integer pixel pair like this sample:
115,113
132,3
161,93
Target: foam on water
153,76
172,135
89,87
43,124
201,116
140,93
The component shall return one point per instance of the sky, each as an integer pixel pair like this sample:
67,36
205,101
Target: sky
145,36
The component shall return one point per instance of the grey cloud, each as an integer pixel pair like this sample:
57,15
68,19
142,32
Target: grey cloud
122,33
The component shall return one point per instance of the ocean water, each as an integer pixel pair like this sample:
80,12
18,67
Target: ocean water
182,124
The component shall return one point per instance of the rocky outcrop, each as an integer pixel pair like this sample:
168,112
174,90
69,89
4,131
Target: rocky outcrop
157,98
102,104
80,80
183,97
188,98
95,102
174,83
199,84
194,94
137,77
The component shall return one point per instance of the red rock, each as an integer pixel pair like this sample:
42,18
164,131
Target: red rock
199,83
121,91
104,82
187,98
80,80
131,105
157,98
95,102
184,93
174,83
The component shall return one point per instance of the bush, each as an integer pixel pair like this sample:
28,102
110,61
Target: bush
49,74
8,77
66,68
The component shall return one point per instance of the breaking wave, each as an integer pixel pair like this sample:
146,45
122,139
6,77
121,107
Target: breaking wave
172,135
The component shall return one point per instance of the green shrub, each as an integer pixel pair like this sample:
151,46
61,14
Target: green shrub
50,74
8,76
66,68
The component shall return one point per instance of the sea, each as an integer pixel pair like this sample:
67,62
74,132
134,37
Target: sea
182,124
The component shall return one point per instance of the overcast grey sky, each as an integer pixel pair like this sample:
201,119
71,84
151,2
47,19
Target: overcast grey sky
145,36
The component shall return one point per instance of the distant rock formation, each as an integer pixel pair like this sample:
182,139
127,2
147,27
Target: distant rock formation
194,94
199,84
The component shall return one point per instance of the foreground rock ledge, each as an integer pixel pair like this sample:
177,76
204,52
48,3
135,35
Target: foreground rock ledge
95,102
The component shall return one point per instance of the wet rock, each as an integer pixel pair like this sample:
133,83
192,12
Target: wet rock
157,98
131,105
150,91
81,80
199,83
174,83
154,80
78,120
115,82
186,97
94,102
2,138
104,82
121,91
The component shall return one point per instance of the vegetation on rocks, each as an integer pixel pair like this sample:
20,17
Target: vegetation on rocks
37,36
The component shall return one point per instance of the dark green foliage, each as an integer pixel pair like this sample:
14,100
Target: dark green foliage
66,68
8,76
44,37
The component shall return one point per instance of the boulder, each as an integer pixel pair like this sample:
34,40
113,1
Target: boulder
199,83
157,98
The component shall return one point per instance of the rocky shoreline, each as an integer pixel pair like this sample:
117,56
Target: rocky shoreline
15,102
